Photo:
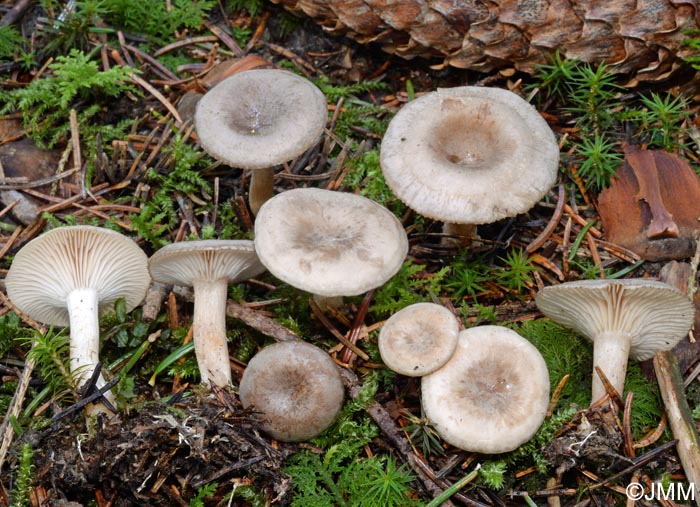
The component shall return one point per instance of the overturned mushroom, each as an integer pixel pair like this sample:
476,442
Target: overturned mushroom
418,339
297,388
631,317
469,155
258,119
208,266
69,276
331,244
492,395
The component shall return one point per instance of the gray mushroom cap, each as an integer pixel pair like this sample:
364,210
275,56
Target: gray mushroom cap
469,155
418,339
260,118
212,259
492,395
656,315
296,386
329,243
48,268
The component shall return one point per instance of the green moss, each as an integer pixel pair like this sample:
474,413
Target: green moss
566,353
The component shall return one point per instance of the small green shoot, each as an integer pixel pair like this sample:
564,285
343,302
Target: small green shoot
599,161
466,278
23,481
663,119
206,491
50,353
491,474
422,433
515,275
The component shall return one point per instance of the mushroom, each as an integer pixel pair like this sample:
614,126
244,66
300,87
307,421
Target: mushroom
258,119
469,155
296,386
331,244
418,339
208,266
69,276
492,395
631,317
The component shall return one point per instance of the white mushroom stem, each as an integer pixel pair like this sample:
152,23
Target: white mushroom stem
262,183
610,353
85,336
209,331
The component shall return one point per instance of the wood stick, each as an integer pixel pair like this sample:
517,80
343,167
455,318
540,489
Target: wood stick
672,388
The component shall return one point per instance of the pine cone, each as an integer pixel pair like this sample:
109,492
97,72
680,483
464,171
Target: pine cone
639,37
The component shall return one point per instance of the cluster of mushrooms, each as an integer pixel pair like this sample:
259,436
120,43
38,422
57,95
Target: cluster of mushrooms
464,156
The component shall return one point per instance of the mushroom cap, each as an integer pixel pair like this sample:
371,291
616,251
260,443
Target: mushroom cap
260,118
469,155
492,395
329,243
656,315
418,339
209,259
296,386
48,268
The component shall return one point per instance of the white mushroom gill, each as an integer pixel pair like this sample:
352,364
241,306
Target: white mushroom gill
208,266
72,275
623,318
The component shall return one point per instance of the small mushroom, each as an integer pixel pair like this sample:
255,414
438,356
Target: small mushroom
296,386
69,276
418,339
492,395
469,155
331,244
258,119
631,317
208,266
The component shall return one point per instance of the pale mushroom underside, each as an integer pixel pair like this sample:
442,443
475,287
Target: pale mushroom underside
48,268
185,262
655,315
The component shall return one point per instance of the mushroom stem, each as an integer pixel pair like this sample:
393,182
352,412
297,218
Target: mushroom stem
83,307
326,303
261,187
459,234
209,331
610,353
